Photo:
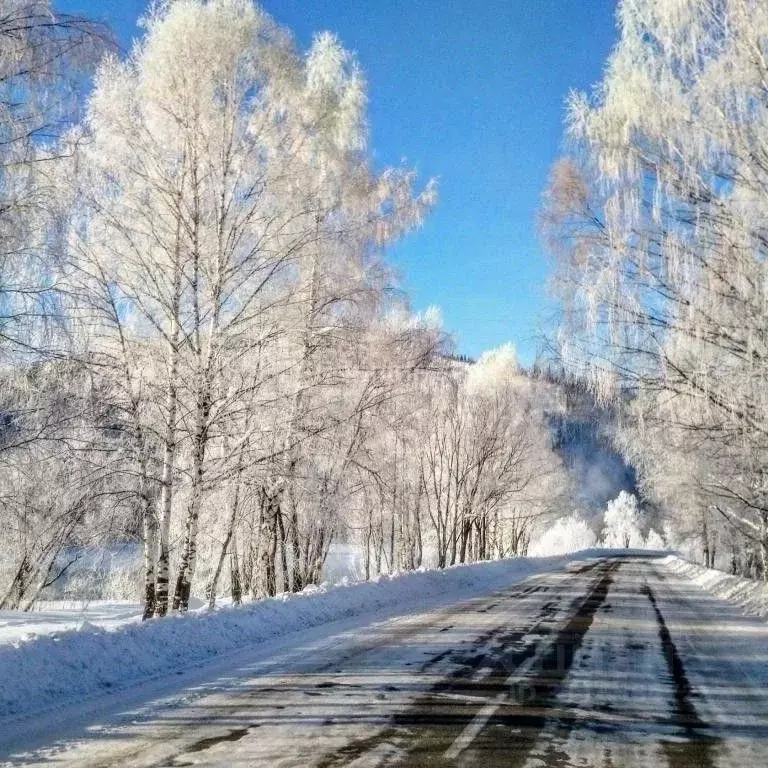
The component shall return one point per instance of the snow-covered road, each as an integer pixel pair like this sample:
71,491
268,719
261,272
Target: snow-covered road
622,663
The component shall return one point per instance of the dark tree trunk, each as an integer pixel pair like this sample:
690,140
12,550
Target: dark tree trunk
234,568
283,553
297,581
265,577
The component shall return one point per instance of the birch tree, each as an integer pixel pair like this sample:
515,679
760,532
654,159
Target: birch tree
188,222
227,200
658,221
353,214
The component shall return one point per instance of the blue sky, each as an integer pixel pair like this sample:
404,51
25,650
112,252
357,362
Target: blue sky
472,92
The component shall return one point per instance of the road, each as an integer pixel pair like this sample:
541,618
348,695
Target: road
617,663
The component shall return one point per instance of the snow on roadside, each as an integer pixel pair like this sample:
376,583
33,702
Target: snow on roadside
47,671
751,596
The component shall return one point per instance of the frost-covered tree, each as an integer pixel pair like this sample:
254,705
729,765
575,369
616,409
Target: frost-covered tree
57,491
658,221
654,540
487,455
622,522
43,55
182,233
229,230
564,535
337,294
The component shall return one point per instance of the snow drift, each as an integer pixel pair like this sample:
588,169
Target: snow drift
751,596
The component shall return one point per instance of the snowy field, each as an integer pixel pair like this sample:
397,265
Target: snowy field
58,616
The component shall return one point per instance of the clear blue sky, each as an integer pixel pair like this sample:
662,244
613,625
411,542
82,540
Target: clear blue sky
470,91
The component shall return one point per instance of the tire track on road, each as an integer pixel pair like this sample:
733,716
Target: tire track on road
480,674
517,692
698,748
535,687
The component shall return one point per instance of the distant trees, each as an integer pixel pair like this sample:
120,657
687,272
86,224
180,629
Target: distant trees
658,222
623,524
569,533
486,468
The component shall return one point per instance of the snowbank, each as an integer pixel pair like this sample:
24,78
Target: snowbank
44,671
750,595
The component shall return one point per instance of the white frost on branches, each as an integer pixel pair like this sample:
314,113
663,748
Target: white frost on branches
622,523
658,219
565,535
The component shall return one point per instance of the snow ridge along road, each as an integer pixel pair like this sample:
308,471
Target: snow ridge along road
620,662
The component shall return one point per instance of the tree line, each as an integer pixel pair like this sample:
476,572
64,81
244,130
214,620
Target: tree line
202,346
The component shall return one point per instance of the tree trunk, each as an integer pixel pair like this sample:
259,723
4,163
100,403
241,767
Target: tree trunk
234,569
150,556
705,540
189,552
392,543
148,517
213,585
283,553
169,444
368,536
297,581
466,529
166,482
379,547
265,577
419,538
250,558
18,586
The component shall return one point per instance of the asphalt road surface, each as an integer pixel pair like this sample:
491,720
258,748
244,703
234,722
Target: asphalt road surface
617,663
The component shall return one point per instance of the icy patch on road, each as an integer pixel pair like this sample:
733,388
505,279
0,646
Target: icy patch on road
752,596
44,671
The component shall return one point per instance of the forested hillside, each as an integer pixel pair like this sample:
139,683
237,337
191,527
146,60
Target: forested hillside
584,434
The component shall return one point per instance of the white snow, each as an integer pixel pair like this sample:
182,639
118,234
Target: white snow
750,595
63,615
43,667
